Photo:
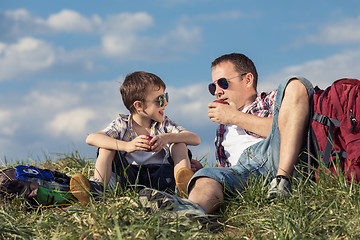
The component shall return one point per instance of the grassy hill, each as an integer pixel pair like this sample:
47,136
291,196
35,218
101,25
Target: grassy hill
326,210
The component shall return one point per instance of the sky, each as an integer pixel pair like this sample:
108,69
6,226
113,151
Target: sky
62,62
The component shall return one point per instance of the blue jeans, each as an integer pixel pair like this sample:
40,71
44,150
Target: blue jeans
260,160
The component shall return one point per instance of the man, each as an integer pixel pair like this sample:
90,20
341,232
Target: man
260,136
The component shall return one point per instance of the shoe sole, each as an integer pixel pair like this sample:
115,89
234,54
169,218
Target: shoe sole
154,201
80,188
182,180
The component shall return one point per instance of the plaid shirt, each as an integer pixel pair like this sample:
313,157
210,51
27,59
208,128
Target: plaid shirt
263,106
122,128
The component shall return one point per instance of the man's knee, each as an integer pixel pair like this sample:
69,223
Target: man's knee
203,183
296,89
296,97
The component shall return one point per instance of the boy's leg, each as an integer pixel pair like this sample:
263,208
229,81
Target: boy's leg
80,186
182,166
103,165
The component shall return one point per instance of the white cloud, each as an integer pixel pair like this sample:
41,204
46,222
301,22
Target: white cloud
345,31
71,123
122,36
189,104
126,22
119,45
323,72
71,21
162,48
24,57
6,125
220,16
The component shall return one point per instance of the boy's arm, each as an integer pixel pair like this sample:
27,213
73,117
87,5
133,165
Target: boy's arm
187,137
101,140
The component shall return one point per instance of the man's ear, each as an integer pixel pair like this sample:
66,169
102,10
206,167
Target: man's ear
249,79
138,105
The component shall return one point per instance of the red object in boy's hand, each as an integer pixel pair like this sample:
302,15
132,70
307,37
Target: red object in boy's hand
148,137
221,101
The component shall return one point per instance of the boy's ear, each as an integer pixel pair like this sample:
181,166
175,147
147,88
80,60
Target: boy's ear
138,105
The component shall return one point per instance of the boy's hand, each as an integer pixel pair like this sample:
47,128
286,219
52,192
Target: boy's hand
158,142
140,143
195,165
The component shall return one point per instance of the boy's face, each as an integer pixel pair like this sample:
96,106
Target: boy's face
152,106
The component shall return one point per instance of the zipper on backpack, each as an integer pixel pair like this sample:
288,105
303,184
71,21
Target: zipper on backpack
352,120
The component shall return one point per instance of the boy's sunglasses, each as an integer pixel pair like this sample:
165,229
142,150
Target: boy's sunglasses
222,82
161,99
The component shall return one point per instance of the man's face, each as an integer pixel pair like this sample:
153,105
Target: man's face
237,90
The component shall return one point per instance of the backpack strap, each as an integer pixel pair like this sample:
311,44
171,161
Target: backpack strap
331,123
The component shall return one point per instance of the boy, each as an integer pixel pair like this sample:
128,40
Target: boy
146,147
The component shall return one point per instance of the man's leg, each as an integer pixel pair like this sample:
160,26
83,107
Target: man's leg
208,193
293,120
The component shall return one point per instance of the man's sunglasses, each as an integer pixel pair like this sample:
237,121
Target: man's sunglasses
222,82
161,99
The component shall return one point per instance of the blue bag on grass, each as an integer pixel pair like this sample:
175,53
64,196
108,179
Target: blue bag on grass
36,185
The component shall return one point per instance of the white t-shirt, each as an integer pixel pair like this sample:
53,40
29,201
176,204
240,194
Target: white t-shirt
143,158
122,128
236,140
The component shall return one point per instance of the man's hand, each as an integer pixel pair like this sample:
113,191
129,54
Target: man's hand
221,113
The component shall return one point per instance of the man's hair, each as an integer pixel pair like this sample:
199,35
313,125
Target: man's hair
242,64
136,85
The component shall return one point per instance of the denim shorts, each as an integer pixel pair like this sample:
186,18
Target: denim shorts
260,160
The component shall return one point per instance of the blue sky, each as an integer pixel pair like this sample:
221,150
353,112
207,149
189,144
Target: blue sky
62,62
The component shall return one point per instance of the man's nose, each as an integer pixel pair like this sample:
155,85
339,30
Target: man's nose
218,90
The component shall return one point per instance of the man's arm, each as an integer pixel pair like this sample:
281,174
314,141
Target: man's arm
229,115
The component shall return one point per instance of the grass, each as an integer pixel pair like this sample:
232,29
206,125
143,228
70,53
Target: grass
325,210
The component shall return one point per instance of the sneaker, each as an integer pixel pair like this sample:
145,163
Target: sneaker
80,188
173,207
182,179
280,186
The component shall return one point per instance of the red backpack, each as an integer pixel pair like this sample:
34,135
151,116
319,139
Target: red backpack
335,129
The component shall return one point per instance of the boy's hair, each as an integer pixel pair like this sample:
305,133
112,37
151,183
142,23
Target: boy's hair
242,64
136,85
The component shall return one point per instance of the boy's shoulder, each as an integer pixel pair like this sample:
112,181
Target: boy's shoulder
124,116
122,119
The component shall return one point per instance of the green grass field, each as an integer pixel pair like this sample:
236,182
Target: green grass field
326,210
